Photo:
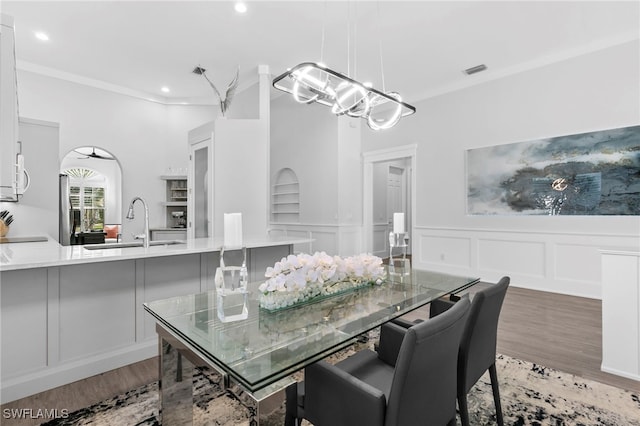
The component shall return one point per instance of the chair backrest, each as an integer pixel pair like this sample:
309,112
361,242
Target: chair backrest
423,390
478,345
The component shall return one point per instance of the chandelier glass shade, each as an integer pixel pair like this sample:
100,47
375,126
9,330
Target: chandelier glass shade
311,82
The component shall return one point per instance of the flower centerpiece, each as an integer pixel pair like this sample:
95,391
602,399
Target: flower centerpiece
301,278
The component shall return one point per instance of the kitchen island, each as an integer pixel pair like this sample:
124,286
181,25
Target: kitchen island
69,312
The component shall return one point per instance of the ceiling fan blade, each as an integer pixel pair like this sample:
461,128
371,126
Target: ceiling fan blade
92,154
97,156
101,157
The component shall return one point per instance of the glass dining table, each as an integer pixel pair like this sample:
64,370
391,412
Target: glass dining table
257,350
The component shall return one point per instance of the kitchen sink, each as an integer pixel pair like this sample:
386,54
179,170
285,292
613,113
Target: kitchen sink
132,244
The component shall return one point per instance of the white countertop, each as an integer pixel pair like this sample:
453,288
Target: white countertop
15,256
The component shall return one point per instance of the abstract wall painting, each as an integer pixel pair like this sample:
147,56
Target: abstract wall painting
596,173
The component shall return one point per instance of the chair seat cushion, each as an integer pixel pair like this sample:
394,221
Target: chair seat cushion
366,366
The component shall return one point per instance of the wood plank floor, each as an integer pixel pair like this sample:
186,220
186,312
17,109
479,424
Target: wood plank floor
557,331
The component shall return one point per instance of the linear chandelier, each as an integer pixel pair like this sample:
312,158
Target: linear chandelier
311,82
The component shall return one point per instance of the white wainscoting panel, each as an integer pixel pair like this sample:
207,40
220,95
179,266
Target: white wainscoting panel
452,251
381,240
325,240
575,262
548,261
523,257
343,240
349,240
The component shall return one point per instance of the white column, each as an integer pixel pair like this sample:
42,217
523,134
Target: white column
621,313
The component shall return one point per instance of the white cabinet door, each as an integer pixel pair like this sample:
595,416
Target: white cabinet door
200,189
23,309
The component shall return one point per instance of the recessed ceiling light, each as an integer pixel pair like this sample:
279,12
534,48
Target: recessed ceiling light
41,36
240,7
165,89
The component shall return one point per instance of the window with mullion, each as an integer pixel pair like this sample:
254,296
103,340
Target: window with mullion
91,206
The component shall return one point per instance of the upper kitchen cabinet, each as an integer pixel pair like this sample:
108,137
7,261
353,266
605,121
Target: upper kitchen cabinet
8,111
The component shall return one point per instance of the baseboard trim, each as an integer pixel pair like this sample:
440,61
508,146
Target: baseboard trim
619,373
52,377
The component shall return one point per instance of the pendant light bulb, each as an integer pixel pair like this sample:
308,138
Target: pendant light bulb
379,121
348,97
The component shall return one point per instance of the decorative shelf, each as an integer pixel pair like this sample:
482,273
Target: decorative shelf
285,192
175,201
173,177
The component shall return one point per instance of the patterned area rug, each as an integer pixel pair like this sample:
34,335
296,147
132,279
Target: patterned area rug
531,395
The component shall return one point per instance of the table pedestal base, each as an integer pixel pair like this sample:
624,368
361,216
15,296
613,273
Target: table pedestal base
181,371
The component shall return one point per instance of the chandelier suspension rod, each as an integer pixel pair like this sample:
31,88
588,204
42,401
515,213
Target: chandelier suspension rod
384,89
324,21
355,42
348,38
311,82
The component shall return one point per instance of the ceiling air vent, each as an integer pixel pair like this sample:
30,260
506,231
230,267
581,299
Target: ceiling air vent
476,69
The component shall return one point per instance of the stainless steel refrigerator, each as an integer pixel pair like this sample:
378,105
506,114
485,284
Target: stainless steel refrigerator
69,217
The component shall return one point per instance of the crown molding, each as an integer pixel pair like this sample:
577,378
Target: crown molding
121,90
86,81
491,75
470,81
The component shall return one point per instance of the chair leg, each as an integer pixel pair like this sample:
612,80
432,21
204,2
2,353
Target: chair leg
496,393
464,409
291,407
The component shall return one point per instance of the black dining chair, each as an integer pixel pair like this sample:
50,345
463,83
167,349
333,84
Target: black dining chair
478,344
409,381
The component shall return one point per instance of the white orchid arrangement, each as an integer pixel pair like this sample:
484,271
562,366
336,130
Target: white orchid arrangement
297,278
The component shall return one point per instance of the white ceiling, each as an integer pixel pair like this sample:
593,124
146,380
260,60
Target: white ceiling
141,46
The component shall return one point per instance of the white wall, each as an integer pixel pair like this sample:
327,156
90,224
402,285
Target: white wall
325,153
245,104
240,170
146,137
304,139
598,90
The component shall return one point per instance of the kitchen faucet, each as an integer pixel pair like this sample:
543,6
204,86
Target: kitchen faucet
130,216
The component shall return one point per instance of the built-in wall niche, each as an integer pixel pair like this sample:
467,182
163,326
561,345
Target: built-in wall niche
176,201
285,197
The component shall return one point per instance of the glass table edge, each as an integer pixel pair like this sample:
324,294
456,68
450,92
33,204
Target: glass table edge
276,376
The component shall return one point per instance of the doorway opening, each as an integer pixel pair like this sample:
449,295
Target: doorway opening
95,179
389,187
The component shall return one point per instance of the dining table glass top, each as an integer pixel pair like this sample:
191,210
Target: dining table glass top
257,347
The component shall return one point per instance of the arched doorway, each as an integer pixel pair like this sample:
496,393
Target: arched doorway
95,185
